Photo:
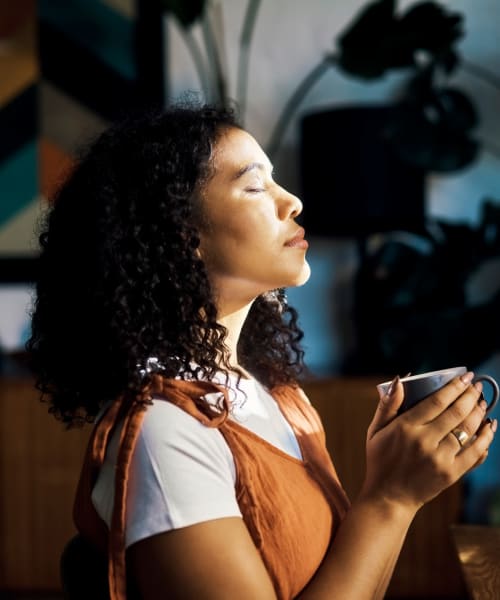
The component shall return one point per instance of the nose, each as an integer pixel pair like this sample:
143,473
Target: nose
289,205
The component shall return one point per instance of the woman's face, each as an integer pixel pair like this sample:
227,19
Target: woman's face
250,241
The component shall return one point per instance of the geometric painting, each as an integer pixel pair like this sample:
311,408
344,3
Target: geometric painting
67,68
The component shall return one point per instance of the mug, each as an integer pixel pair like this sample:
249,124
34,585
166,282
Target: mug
417,387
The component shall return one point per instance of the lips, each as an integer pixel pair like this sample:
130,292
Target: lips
298,240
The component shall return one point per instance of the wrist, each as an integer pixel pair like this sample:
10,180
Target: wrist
388,508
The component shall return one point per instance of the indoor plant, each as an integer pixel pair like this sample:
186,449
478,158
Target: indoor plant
433,128
437,117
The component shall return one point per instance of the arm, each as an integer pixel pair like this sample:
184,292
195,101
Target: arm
362,557
217,559
214,560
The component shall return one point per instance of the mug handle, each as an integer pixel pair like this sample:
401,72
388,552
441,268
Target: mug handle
494,385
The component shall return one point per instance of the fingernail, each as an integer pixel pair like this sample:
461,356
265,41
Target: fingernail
466,378
483,405
479,386
494,425
392,387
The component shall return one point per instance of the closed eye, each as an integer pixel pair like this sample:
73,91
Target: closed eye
254,190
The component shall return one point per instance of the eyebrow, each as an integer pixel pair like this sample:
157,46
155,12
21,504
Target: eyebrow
250,167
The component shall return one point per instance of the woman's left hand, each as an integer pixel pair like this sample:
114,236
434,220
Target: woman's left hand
414,456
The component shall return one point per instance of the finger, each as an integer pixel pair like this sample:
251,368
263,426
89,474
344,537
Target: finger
388,406
431,407
480,461
463,414
464,432
471,456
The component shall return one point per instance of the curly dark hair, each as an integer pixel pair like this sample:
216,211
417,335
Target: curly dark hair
121,282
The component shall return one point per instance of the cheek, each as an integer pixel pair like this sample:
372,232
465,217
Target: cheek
234,235
214,248
227,231
227,250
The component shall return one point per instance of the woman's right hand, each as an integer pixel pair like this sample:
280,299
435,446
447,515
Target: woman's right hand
412,457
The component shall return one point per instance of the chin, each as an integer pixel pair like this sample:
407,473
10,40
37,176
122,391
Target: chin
302,277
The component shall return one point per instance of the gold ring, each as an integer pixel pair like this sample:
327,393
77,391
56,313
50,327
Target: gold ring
461,436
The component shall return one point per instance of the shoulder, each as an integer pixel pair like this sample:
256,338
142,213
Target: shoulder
182,473
293,393
167,430
302,395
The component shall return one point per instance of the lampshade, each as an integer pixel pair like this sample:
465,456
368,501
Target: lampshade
352,181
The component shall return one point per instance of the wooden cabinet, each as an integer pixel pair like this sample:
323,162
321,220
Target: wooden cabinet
39,468
40,463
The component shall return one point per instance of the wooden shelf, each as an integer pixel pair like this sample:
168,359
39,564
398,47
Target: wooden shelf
39,468
478,549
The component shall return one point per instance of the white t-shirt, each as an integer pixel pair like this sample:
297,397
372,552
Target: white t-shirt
183,472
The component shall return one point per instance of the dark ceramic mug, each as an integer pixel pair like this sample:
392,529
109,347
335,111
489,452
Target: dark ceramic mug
418,387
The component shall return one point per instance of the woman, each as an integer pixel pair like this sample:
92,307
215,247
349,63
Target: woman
161,316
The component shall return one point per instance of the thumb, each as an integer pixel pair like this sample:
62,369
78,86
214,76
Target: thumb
388,406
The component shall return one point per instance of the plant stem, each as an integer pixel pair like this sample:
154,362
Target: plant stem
293,103
218,76
197,57
244,56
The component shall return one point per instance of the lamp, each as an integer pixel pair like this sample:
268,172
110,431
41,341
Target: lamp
353,182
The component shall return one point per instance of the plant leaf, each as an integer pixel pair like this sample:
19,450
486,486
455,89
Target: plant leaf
430,27
372,25
457,111
378,40
429,143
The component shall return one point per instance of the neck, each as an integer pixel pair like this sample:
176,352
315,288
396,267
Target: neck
233,322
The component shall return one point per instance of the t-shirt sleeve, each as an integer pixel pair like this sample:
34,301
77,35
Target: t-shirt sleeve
182,473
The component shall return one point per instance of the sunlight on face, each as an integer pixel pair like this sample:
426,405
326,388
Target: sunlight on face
251,242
